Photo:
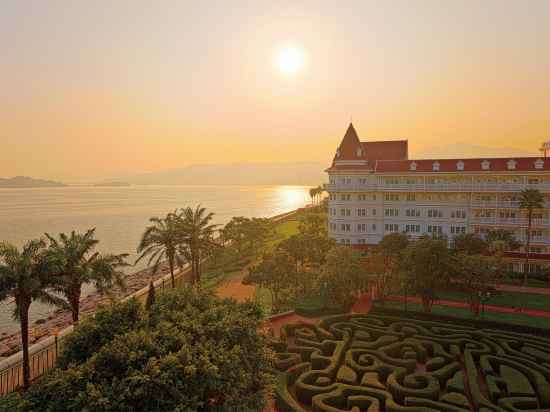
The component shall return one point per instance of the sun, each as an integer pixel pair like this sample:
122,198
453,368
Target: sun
290,60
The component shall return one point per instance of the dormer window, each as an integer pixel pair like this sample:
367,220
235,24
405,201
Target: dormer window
460,165
359,152
435,166
511,164
485,165
539,164
412,166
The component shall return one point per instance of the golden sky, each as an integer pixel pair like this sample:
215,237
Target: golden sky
92,90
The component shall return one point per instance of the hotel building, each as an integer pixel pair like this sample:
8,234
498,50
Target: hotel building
375,189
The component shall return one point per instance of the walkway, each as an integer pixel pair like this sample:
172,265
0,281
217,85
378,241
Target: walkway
523,289
489,308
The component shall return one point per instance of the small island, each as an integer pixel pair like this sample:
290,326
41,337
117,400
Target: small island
112,184
18,182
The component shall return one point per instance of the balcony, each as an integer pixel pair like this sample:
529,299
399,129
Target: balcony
514,222
436,187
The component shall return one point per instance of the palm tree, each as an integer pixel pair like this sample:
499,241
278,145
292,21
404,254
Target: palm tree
79,265
26,276
160,241
197,237
320,191
312,193
530,200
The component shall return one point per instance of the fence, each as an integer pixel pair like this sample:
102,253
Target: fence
43,355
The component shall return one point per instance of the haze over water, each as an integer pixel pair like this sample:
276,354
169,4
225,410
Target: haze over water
120,215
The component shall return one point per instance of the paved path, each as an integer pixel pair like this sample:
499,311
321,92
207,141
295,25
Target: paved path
489,308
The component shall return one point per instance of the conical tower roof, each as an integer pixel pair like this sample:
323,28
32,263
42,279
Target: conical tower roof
350,148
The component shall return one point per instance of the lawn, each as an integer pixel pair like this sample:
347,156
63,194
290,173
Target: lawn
507,299
515,318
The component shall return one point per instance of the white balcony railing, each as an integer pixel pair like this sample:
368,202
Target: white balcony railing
436,187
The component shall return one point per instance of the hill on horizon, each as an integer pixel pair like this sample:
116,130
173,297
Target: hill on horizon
27,182
295,173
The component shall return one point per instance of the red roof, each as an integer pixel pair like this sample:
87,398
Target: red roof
507,164
386,150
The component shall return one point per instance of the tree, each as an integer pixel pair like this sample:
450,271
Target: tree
313,224
344,275
160,241
26,276
275,272
470,244
296,247
389,253
504,237
426,264
150,296
476,275
191,352
313,194
530,201
197,237
235,232
78,265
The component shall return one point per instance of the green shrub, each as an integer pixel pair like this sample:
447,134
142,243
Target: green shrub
92,333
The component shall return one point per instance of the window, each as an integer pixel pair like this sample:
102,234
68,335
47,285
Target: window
392,197
362,197
333,227
435,166
455,230
374,212
361,227
511,164
435,213
539,164
391,212
359,152
435,229
373,227
345,227
363,180
485,165
361,212
412,228
361,241
460,165
412,166
391,227
458,214
411,197
412,212
373,197
391,180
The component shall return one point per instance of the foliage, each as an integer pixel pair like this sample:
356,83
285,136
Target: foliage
195,352
426,263
386,261
276,272
92,333
160,242
475,275
530,200
343,276
197,237
78,265
27,275
469,244
151,298
313,224
501,239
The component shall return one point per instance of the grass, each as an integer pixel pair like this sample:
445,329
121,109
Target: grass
287,229
513,318
507,299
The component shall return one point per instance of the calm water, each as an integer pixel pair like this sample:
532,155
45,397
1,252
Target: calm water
120,214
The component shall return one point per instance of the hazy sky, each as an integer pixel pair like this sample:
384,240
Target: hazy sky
93,89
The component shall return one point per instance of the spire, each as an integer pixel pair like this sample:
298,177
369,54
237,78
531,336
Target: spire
350,148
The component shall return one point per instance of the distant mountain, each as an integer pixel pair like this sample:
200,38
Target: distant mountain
25,182
298,173
112,184
461,150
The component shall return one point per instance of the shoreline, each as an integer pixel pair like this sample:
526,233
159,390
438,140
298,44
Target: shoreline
10,343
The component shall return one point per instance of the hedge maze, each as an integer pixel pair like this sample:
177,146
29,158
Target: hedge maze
384,363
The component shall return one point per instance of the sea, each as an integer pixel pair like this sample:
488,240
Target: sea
120,215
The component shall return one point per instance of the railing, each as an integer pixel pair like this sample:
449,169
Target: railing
519,222
437,187
43,355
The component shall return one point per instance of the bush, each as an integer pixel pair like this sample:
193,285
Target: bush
91,334
193,352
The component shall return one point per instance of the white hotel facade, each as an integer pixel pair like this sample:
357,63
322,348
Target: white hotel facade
375,189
